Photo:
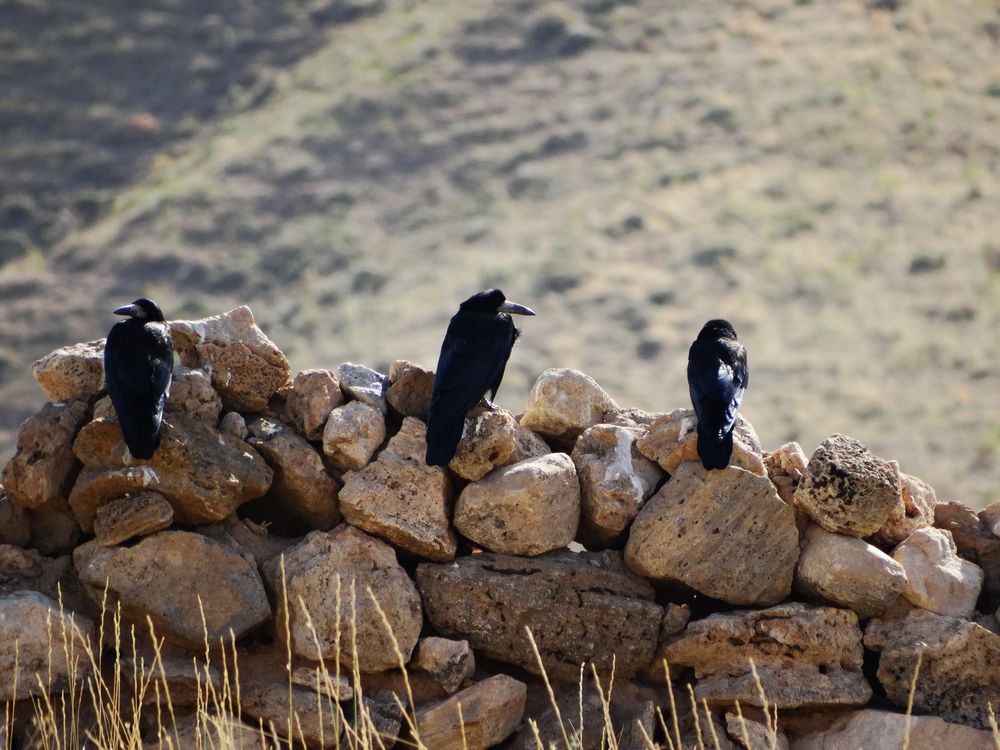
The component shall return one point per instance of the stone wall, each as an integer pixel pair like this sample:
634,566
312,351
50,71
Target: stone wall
297,514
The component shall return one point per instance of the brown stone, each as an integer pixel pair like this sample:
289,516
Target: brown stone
563,403
401,499
724,533
489,439
185,679
310,399
937,578
622,719
449,662
847,489
353,433
320,574
672,439
754,735
409,392
15,524
580,608
976,543
805,656
141,514
301,484
54,529
615,481
71,372
246,368
494,705
203,473
989,517
314,723
233,423
915,510
165,576
364,384
28,570
43,468
327,684
207,730
191,393
785,468
872,728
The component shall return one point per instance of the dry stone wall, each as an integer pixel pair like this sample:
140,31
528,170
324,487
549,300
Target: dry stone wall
579,538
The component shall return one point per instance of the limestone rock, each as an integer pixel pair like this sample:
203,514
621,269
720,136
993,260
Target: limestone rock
71,372
848,572
525,509
563,403
754,735
191,392
672,439
915,510
873,728
409,392
976,543
615,481
43,468
27,655
785,468
847,489
583,607
203,473
139,515
364,384
15,524
245,366
353,433
449,662
958,670
326,683
401,499
489,439
494,705
937,578
301,483
805,656
326,563
310,399
724,533
165,575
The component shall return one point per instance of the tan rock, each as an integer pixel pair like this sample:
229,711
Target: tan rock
141,514
409,392
320,574
990,518
937,578
41,647
233,423
185,679
958,674
754,735
494,705
310,399
54,529
246,368
207,730
314,723
672,439
847,489
449,662
724,533
364,384
15,524
873,728
615,481
164,576
805,656
563,403
329,685
203,473
353,433
525,509
915,510
488,440
43,468
71,372
624,717
191,393
301,484
976,543
848,572
28,570
401,499
785,468
581,608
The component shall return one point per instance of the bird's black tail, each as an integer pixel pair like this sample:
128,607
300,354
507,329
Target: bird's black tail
442,440
715,448
141,430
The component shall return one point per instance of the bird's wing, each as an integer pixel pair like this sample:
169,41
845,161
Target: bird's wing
717,377
468,366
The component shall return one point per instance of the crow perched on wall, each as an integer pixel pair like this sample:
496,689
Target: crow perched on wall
473,356
717,378
138,365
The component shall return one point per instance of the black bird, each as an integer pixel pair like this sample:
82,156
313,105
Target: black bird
138,365
473,357
717,378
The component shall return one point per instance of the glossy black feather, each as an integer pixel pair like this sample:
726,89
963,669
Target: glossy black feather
473,357
138,365
718,376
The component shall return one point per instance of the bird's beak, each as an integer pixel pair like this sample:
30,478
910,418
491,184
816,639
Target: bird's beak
516,309
130,310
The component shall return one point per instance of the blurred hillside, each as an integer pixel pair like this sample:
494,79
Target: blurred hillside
825,175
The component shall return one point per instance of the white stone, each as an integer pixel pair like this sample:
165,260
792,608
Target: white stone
937,578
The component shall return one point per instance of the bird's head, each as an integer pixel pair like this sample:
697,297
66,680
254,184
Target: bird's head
493,301
142,308
718,329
